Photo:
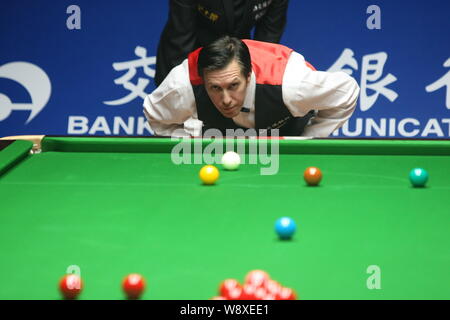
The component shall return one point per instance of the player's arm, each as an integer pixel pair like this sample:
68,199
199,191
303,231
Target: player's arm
178,37
270,27
170,109
333,94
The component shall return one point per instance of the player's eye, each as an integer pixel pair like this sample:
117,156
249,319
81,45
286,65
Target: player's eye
234,85
215,88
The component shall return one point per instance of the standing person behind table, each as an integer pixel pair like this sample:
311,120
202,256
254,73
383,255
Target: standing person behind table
193,24
238,84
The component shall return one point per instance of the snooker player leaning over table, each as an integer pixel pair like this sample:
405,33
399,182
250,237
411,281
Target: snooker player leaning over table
220,87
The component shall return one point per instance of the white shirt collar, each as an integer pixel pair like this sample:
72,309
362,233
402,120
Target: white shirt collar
249,101
247,119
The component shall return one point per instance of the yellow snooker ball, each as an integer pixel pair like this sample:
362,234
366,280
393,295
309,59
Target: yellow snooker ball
209,174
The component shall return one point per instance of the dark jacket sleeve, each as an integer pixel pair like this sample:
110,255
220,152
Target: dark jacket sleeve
271,26
178,37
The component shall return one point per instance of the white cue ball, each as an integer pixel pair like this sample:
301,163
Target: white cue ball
231,160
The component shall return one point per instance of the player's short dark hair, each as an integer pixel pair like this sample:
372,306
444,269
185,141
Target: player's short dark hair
218,54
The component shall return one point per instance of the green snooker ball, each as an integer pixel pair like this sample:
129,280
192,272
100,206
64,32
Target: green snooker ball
418,177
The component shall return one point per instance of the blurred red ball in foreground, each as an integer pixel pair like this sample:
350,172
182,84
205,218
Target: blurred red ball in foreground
252,292
70,286
234,294
133,285
286,294
227,285
312,176
258,278
257,286
248,292
273,287
260,293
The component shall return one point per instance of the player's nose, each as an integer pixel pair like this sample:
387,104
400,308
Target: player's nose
226,100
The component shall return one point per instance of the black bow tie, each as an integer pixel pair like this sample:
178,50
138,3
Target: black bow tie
245,110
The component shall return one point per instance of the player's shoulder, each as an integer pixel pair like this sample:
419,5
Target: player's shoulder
178,77
175,84
297,57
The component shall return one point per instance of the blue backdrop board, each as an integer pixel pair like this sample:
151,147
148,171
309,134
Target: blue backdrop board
83,67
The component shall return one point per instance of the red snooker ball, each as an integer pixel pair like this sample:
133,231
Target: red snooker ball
133,285
252,292
286,294
257,278
233,294
312,176
273,287
248,292
230,289
70,286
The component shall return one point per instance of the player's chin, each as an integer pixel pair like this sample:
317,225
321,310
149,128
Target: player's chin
230,113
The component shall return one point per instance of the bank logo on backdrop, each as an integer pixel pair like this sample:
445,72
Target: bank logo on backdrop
135,87
130,68
34,80
374,79
444,81
371,76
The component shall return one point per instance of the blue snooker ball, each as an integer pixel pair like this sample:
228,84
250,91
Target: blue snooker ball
418,177
285,228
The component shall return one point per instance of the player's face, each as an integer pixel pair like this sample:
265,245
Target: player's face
226,88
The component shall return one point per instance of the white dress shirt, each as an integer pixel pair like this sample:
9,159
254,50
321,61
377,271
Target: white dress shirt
333,94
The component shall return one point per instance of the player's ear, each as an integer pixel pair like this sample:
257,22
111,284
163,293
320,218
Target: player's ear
248,77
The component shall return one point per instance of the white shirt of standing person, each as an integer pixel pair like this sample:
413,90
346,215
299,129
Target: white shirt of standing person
333,95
